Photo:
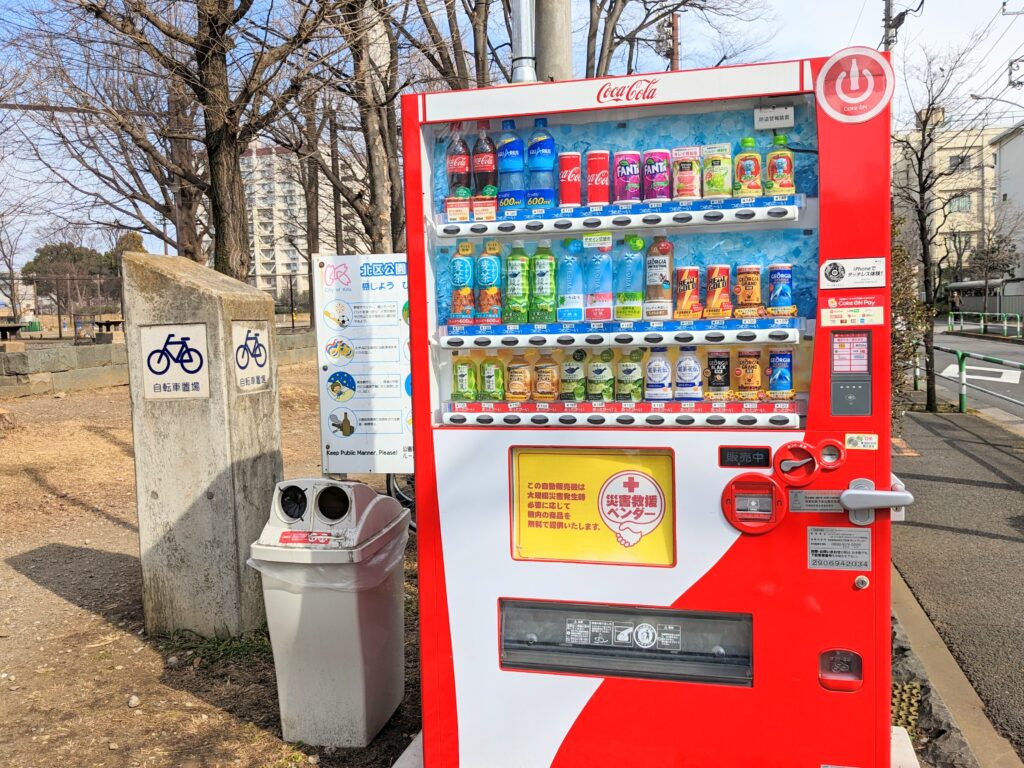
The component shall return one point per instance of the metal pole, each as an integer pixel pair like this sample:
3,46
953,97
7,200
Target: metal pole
917,370
291,297
961,361
60,316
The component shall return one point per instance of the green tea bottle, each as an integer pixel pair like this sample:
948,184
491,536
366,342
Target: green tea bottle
492,377
517,285
601,376
464,381
572,384
544,296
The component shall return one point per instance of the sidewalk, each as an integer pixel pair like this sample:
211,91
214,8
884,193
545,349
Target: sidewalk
961,552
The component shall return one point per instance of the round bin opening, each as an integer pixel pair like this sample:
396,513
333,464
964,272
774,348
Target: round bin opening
333,504
293,502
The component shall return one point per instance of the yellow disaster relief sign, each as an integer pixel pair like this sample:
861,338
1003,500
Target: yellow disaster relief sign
594,505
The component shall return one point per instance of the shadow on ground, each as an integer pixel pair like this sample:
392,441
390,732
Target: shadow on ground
236,677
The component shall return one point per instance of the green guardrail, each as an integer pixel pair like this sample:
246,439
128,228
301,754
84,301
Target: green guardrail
1006,319
961,363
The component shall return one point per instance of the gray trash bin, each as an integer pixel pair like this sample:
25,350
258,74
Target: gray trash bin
331,558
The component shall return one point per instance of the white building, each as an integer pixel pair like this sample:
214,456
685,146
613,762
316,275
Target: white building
276,210
1008,151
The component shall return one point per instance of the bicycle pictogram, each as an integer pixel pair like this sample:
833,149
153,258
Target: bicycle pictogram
189,359
255,351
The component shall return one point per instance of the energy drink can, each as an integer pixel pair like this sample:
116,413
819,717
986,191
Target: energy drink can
687,290
780,290
748,374
718,304
748,291
719,374
780,374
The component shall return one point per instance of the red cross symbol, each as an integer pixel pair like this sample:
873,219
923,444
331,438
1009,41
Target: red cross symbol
631,484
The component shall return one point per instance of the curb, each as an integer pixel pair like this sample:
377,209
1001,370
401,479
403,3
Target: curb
985,336
949,681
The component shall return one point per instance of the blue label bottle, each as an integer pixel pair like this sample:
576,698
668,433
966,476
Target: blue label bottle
511,168
570,283
541,158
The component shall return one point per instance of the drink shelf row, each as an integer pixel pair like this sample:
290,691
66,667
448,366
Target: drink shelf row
667,215
779,415
788,330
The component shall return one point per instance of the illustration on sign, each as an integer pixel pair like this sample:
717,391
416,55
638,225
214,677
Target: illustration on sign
632,505
615,509
855,85
251,355
175,362
364,396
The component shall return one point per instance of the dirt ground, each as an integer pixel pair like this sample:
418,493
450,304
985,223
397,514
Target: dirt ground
73,652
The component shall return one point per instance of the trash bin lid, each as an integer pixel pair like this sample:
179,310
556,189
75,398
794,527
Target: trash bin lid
317,520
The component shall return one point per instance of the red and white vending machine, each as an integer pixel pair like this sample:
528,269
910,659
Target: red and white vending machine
650,337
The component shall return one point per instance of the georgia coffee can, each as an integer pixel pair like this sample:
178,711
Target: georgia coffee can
598,176
719,373
570,171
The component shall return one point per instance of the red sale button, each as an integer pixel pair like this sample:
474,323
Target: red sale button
855,85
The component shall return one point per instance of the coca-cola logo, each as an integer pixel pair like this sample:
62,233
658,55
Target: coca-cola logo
643,89
571,175
599,178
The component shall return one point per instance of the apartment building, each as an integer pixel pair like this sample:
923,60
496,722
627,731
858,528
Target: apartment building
964,159
1008,151
276,210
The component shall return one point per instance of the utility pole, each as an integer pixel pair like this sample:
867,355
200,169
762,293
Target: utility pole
554,40
675,41
887,26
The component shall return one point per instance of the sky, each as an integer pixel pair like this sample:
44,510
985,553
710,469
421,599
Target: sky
826,27
802,28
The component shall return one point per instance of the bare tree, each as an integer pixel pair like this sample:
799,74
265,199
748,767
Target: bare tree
238,62
618,32
996,254
920,186
15,225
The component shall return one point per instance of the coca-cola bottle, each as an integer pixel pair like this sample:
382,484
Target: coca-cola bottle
457,156
485,162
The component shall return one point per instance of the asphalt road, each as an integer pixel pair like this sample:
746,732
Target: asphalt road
1005,381
961,551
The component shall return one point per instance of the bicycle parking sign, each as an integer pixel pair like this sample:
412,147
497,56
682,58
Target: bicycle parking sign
251,349
175,362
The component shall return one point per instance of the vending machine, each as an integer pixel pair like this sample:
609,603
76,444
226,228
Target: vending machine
650,344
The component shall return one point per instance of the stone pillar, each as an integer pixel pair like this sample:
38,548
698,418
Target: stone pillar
203,373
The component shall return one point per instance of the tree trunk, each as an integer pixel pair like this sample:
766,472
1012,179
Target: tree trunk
339,222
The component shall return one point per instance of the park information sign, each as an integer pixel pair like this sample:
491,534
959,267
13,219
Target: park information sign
362,328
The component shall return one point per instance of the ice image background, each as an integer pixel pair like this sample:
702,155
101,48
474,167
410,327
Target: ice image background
798,247
664,132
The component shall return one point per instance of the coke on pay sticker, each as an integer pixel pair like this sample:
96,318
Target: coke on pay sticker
855,85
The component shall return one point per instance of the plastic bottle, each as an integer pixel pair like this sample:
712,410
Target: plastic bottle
511,168
544,288
570,282
492,377
598,284
629,280
546,373
779,177
488,284
746,180
463,303
464,380
457,163
485,162
658,377
573,377
658,281
689,375
601,376
519,379
443,279
541,160
517,285
629,377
